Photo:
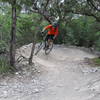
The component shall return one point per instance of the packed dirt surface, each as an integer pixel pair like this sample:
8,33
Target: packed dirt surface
62,75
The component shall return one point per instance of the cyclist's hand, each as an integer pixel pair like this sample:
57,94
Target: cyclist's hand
42,33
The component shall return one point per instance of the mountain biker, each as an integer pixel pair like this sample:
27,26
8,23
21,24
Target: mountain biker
52,32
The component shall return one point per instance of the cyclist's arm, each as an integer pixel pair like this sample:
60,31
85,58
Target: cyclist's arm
47,27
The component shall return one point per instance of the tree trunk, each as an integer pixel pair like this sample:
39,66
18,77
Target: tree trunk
13,35
34,43
32,52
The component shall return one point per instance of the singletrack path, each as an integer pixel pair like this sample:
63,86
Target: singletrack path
61,75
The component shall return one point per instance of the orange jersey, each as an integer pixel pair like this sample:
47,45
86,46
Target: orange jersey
51,30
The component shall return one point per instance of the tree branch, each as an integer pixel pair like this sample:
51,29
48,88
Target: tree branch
84,13
90,2
46,4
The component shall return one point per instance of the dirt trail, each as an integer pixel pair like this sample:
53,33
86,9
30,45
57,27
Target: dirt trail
62,75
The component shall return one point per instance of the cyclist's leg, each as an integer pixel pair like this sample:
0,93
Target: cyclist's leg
47,41
50,40
49,45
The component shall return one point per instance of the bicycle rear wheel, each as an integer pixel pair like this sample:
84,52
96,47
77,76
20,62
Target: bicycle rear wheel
48,49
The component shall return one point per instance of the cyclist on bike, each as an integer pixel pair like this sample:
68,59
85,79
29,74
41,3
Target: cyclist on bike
52,32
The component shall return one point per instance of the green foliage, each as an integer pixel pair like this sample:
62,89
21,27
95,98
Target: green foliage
80,31
24,32
4,65
74,30
98,33
96,61
3,46
5,22
27,27
98,44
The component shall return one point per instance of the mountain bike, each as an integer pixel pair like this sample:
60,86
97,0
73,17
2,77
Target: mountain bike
47,48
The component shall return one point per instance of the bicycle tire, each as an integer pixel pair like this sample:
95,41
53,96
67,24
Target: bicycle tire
39,47
48,50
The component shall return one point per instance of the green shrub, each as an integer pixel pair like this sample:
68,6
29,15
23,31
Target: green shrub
4,65
3,46
96,61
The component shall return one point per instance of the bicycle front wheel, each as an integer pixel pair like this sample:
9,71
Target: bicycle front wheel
38,47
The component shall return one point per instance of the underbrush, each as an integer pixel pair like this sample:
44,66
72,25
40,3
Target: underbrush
96,61
5,66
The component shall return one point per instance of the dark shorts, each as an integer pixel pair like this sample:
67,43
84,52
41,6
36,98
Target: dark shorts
49,37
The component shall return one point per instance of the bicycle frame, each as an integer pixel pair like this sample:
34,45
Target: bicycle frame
43,44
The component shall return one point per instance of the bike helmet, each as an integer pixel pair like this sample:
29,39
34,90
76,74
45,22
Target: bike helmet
55,24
